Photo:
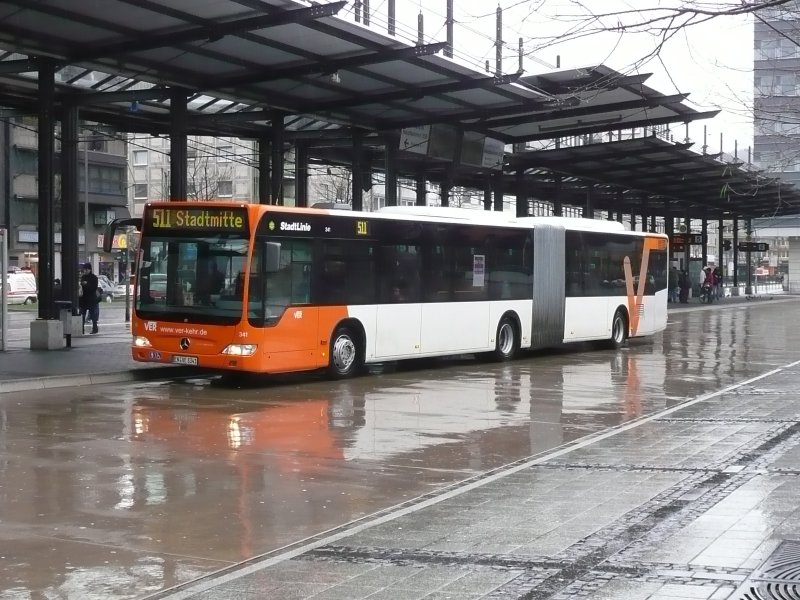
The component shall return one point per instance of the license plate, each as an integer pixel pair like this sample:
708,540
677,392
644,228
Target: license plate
184,360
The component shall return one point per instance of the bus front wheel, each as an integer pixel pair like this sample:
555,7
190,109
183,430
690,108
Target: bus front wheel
346,356
507,340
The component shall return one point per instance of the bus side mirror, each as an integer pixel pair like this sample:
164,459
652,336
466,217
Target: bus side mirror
273,260
111,230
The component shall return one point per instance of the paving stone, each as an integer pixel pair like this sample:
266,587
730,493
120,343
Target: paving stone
682,507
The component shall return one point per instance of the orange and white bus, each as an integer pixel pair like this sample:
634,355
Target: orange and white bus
272,289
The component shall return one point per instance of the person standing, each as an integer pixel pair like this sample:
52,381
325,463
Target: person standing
90,297
717,283
684,282
674,288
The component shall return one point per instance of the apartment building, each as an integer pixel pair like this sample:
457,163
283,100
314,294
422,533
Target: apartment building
102,159
776,90
217,169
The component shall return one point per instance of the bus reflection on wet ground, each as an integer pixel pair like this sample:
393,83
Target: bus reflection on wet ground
119,492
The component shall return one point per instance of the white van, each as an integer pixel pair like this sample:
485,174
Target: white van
21,288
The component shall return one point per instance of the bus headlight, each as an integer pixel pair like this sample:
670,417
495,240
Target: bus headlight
141,342
240,350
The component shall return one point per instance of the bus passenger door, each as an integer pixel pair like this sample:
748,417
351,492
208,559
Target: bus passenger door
399,312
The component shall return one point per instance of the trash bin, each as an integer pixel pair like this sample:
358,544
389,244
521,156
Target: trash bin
65,316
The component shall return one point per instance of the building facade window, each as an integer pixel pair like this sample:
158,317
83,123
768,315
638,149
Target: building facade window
140,158
224,154
225,189
105,180
140,191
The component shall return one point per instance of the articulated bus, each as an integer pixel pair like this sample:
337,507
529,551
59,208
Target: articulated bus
271,289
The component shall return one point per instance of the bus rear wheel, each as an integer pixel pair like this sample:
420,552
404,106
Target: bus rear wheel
507,340
346,354
619,330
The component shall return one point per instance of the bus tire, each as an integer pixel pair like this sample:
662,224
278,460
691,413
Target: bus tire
346,353
506,340
619,330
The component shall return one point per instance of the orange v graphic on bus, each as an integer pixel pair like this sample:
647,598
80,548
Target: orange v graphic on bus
635,301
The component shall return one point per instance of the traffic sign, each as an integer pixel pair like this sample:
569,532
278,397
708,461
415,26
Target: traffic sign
753,247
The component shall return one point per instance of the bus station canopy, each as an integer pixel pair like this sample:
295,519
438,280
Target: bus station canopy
622,173
241,60
242,64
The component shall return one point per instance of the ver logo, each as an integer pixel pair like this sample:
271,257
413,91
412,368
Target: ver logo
298,314
271,225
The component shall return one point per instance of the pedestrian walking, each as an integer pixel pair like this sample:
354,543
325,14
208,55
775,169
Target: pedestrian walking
90,297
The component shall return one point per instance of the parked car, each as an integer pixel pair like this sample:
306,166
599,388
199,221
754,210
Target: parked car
21,287
119,289
158,286
106,289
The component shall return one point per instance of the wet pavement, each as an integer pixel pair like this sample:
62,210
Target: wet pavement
666,470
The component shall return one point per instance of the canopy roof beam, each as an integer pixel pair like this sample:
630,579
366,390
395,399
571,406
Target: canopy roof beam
416,93
587,110
329,65
212,32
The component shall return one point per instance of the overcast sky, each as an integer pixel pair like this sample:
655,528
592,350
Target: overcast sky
712,61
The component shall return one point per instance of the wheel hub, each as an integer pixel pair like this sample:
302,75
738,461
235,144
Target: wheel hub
344,353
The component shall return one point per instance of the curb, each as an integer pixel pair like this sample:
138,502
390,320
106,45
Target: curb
83,379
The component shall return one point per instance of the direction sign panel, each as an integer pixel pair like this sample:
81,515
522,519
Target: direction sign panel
678,243
753,247
696,239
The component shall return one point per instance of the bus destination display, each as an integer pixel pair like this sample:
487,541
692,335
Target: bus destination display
190,219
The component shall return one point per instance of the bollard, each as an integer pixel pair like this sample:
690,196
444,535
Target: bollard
65,315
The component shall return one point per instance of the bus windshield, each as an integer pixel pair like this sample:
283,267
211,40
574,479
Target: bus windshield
200,278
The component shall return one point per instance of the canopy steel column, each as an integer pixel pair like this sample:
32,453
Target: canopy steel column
46,171
588,209
391,171
653,227
610,215
444,192
357,171
644,214
263,170
69,205
704,233
669,222
522,196
301,176
720,246
177,146
633,221
487,192
497,188
422,189
276,181
735,252
558,209
748,290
